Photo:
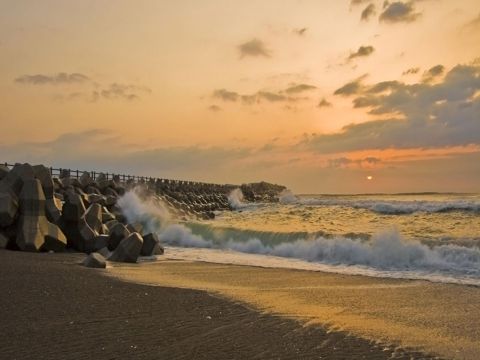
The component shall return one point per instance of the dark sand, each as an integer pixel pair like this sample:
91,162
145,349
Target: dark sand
52,308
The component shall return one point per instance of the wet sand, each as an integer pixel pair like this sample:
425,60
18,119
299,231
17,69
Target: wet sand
438,318
53,308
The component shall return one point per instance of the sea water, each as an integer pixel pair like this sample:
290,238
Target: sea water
434,237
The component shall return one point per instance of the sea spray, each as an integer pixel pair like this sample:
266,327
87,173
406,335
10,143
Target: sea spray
149,211
235,199
287,197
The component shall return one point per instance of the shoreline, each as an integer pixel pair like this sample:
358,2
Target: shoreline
52,307
267,261
439,318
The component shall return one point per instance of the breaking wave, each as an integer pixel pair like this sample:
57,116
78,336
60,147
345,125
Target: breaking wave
386,251
385,254
395,207
287,197
235,199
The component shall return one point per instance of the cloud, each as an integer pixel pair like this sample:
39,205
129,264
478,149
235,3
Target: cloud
350,88
368,12
475,22
433,73
358,2
275,162
225,95
58,79
421,115
255,48
411,71
87,150
90,97
291,94
249,99
298,88
300,31
398,11
113,91
383,86
270,96
128,92
362,51
324,103
214,108
345,162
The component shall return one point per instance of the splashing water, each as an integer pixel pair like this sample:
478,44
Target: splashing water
150,212
235,199
287,197
385,254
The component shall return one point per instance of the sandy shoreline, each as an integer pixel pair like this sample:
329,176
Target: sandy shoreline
439,318
52,308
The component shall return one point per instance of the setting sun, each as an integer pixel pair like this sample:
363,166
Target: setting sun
369,177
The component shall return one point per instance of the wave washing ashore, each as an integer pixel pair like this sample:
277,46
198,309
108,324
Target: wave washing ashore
433,237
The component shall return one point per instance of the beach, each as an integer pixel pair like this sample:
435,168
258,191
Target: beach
53,308
438,318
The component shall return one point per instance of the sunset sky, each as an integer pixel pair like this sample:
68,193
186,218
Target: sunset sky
313,94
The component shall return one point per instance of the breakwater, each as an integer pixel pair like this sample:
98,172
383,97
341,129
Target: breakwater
51,209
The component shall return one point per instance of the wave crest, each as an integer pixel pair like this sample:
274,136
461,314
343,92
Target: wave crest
384,253
395,207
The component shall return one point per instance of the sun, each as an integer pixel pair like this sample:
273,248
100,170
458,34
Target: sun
369,177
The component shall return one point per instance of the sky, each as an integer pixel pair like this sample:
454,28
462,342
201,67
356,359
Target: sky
347,96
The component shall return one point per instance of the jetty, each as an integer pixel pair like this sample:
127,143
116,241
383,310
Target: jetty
53,209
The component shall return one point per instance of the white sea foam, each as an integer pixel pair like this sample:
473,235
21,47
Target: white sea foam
385,254
235,199
385,251
150,212
223,256
287,197
395,207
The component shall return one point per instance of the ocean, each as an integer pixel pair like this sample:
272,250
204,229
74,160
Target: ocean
434,237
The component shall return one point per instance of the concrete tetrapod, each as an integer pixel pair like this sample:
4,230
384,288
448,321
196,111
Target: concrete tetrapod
3,171
34,232
52,205
80,235
128,250
151,245
118,232
93,217
8,208
95,260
